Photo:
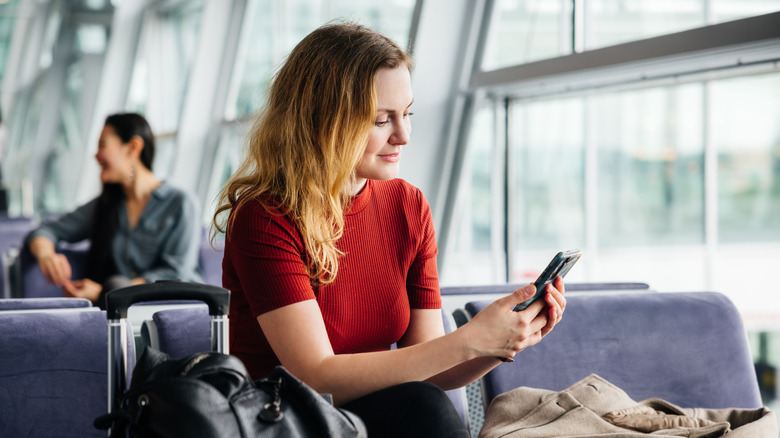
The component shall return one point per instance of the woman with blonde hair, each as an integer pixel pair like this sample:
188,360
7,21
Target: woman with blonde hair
331,259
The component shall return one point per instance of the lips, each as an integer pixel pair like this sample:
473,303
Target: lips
391,158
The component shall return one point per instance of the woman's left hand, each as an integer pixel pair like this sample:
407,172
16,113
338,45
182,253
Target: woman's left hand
85,288
556,304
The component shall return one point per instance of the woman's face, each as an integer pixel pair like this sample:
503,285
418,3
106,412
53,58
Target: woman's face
391,128
114,157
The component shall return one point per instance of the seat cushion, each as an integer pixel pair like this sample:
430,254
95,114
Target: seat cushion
43,303
185,331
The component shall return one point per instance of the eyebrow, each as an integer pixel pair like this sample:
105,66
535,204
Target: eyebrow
392,111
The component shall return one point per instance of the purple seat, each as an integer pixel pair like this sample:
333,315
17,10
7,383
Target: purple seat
53,373
687,348
181,332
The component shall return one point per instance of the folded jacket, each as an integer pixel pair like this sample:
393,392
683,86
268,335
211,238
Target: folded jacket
594,407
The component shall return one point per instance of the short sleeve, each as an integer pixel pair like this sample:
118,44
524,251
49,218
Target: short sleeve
266,251
422,281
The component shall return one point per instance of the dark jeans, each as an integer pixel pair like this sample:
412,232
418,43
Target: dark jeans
414,409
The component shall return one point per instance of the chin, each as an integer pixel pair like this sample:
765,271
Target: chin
107,179
383,177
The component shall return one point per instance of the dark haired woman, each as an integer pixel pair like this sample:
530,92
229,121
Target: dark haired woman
141,229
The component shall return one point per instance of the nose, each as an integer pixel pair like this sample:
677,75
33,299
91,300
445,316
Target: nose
401,132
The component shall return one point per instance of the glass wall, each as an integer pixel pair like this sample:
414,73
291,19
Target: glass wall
611,22
546,142
650,149
746,134
524,31
673,181
477,233
647,183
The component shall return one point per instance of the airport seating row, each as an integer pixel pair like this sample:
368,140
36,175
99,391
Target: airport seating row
689,348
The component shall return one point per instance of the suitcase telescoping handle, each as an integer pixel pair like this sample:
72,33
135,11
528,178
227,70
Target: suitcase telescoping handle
119,300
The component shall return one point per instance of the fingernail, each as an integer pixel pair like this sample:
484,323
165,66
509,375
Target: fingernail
506,359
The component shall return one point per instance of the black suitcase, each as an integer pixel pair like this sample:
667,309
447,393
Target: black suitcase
207,394
119,301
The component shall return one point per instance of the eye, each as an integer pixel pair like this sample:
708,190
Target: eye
381,123
407,115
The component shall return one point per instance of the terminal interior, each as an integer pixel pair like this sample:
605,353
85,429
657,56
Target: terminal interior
645,133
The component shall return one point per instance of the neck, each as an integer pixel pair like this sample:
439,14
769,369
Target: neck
358,186
142,185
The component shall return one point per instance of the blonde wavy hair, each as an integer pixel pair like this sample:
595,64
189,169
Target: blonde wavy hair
305,145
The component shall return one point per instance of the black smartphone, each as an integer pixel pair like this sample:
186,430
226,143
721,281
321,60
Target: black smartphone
558,267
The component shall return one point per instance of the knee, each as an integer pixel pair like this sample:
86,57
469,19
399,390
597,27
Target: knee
425,396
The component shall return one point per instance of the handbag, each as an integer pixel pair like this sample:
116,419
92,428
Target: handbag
212,395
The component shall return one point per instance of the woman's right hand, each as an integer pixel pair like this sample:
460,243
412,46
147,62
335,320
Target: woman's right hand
500,332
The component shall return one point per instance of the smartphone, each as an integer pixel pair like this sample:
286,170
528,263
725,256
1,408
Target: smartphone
558,267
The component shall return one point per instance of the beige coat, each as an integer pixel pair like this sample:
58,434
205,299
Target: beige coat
594,407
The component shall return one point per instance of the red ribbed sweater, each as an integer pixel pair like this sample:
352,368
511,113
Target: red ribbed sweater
388,268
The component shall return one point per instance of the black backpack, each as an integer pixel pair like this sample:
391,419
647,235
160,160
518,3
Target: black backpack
211,395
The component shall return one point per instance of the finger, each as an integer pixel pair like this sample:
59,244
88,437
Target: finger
537,305
556,301
559,284
539,322
518,296
551,321
557,295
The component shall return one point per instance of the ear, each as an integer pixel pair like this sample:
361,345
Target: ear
135,146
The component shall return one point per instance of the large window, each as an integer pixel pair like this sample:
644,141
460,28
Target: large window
524,31
476,239
663,169
625,170
746,134
528,30
546,141
672,180
617,21
650,150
